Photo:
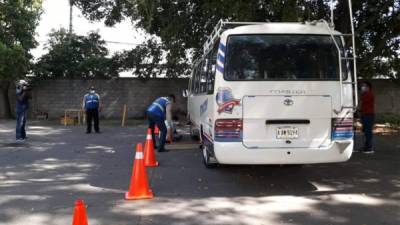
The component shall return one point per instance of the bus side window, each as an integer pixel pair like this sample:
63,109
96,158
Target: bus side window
203,76
211,69
196,80
190,86
193,81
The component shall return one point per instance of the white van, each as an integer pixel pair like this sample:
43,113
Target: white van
274,93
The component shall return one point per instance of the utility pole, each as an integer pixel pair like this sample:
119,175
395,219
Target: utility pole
71,3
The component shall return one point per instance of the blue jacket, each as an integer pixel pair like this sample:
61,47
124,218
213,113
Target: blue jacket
159,107
91,101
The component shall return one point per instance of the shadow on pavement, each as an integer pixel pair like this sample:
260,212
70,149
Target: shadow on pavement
40,181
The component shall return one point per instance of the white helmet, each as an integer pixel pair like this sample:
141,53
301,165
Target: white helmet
22,82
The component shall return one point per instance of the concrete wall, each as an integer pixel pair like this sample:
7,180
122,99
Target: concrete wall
53,96
12,97
387,96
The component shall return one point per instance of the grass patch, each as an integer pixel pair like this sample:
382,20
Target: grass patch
390,119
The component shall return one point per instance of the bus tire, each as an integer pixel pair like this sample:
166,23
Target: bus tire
193,134
208,160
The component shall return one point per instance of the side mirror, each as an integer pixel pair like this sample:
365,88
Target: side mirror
185,93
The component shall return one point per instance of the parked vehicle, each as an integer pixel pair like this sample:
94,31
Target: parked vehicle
274,93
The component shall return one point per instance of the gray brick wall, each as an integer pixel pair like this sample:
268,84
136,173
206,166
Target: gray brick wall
387,96
11,94
54,96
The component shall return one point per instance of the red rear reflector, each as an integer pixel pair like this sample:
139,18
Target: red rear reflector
228,130
342,128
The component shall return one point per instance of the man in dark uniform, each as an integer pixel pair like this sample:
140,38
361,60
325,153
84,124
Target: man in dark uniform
23,96
159,113
91,104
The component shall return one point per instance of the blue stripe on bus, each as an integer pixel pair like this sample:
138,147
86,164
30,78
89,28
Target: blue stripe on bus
222,47
342,135
220,69
221,58
228,136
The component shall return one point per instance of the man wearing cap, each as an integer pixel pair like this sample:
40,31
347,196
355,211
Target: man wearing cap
159,113
367,110
91,105
22,104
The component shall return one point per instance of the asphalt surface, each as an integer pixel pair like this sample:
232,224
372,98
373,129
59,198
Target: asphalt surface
41,179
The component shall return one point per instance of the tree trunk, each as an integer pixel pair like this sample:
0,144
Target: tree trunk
4,87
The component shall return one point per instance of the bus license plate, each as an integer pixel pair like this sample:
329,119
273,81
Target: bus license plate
287,133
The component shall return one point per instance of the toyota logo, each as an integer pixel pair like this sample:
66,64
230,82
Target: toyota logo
288,102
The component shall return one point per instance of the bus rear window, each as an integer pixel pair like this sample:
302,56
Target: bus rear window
281,57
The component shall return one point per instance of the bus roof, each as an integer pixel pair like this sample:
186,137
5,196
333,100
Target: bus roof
316,28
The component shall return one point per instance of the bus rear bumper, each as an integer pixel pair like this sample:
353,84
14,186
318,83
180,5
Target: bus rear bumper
236,153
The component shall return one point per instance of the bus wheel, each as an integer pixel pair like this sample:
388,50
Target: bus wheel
193,134
208,161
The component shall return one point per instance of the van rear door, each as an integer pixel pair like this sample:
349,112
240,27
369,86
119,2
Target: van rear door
287,121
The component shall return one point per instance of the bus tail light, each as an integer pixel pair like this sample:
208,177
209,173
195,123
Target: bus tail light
229,130
342,128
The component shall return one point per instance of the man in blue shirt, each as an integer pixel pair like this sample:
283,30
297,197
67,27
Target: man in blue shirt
159,113
91,104
23,96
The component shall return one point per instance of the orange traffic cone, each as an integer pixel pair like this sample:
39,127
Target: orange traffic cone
149,155
156,130
139,186
80,217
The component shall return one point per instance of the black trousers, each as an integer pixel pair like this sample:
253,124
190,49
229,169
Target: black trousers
160,122
92,114
367,121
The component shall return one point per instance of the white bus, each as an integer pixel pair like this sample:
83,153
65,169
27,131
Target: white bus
274,93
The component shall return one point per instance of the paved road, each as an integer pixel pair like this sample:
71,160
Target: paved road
40,180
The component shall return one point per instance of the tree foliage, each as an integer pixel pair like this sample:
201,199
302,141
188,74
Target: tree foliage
18,21
73,56
184,24
378,32
144,60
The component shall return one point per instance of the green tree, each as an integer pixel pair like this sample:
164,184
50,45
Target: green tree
144,60
185,24
72,56
18,21
378,38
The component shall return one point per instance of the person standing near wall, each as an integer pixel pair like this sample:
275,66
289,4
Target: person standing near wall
22,104
92,105
159,113
367,110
